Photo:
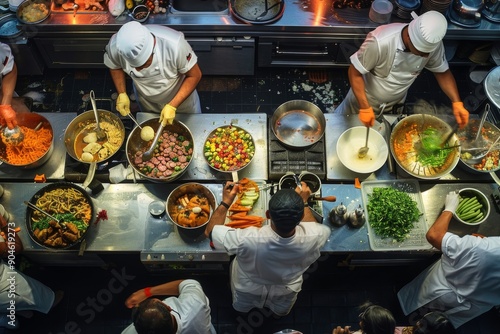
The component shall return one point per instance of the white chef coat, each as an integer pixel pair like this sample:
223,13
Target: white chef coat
157,84
193,306
30,294
464,283
6,60
267,270
388,71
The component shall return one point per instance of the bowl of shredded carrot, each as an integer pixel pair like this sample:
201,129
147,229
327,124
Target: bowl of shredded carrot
411,140
37,145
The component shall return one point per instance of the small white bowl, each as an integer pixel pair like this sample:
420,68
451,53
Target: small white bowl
481,197
351,140
380,11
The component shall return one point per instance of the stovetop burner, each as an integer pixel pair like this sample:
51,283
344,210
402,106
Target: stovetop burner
283,160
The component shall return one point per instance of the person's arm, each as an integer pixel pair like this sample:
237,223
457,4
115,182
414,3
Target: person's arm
305,193
437,231
219,215
358,87
8,85
118,77
448,85
11,240
165,289
191,80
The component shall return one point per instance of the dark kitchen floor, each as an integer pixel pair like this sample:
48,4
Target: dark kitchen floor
331,292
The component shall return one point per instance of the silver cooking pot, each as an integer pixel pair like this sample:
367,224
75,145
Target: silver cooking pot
298,124
83,122
31,121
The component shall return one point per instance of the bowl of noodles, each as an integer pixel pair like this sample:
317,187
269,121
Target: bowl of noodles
70,205
416,142
36,147
33,11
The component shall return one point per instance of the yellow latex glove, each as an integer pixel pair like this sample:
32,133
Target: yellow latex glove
167,115
461,114
367,116
123,104
9,115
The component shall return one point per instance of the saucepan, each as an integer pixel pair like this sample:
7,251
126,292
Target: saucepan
37,145
83,145
229,149
172,157
298,124
489,134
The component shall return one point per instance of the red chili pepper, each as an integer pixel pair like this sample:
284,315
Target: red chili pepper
103,214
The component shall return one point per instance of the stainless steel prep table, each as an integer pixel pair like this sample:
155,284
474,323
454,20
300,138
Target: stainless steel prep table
125,230
202,124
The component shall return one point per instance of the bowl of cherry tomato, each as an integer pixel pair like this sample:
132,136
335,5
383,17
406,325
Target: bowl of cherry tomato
229,148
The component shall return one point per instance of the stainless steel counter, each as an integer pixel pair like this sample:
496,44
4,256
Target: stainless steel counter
125,230
202,124
299,16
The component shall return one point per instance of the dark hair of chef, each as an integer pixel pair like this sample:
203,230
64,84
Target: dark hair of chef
434,323
286,209
152,316
375,319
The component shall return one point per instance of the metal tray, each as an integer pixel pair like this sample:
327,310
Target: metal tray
416,240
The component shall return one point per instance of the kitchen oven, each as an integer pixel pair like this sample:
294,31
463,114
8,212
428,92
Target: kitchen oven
303,51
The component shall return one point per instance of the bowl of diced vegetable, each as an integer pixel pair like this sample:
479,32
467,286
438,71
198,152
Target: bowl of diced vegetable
473,208
416,146
229,149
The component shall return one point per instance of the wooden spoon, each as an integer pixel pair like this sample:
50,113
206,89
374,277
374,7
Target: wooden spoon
327,198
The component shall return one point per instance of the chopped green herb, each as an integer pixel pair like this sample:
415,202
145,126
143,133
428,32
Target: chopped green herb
392,213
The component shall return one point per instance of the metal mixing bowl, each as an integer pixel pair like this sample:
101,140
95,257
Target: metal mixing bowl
404,145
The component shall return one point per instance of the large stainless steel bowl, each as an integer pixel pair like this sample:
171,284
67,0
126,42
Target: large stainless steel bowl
31,121
136,146
405,139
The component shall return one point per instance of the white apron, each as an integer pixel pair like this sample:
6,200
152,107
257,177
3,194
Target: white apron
155,89
391,89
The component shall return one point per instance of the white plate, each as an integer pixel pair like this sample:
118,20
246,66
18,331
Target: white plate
352,140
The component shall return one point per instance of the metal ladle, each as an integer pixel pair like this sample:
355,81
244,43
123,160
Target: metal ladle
100,133
146,156
476,159
478,139
13,136
266,10
364,150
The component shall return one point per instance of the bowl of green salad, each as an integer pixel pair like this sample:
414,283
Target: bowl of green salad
419,148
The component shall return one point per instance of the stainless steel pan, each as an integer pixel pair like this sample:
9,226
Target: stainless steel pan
298,124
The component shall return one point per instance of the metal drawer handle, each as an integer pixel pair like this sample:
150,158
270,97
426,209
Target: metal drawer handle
311,53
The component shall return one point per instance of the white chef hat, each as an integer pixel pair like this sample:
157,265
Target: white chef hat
135,43
427,30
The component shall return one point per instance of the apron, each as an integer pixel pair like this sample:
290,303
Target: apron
155,89
405,69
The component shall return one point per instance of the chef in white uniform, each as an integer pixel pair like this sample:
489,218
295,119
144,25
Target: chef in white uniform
163,68
390,59
465,282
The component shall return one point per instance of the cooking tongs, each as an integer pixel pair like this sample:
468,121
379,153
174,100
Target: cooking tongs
34,207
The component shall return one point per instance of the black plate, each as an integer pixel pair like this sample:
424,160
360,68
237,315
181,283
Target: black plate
40,193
